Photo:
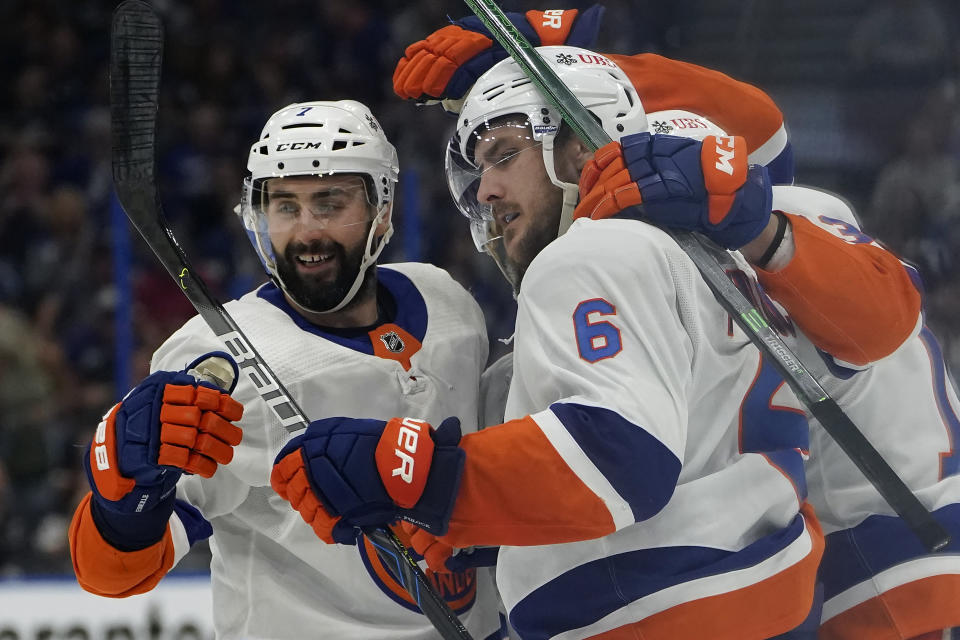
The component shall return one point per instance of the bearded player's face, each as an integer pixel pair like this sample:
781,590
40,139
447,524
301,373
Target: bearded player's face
318,227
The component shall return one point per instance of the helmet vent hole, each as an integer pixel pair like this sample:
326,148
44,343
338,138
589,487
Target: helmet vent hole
339,144
342,130
263,149
301,125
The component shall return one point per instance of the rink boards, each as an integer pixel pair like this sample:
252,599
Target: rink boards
57,608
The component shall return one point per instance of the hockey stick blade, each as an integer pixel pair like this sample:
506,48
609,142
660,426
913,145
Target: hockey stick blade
713,266
136,56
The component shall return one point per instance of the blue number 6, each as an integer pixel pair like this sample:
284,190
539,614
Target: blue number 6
596,339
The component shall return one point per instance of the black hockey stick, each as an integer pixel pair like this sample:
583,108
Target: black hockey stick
714,264
136,55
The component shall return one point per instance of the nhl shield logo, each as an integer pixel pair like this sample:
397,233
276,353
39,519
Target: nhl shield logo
393,342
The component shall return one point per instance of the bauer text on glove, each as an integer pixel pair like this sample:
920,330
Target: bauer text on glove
343,473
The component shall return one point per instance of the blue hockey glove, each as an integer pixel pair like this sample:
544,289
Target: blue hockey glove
343,473
168,424
446,64
682,183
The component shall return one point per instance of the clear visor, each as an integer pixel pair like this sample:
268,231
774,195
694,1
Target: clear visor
284,205
488,149
332,201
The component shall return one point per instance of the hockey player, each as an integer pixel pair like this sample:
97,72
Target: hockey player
827,277
346,337
905,397
639,487
871,591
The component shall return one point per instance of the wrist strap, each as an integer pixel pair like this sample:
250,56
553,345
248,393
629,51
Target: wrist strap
777,240
132,531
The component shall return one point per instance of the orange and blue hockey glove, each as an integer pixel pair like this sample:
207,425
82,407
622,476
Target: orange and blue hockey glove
446,63
681,183
168,424
343,473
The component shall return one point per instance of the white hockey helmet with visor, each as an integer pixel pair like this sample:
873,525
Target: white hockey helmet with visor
504,91
321,139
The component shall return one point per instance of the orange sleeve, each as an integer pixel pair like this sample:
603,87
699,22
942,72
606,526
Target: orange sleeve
736,107
517,490
105,570
854,301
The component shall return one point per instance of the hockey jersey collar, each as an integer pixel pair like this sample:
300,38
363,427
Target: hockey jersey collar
408,305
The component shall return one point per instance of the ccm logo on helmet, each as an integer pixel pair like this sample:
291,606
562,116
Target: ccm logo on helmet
407,439
295,146
724,154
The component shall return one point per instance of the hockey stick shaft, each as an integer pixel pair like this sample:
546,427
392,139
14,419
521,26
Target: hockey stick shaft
714,264
135,65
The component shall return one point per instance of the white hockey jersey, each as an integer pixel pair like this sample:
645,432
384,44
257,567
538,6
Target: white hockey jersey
632,411
879,582
271,576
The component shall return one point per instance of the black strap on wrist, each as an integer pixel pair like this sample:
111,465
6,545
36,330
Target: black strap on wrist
777,240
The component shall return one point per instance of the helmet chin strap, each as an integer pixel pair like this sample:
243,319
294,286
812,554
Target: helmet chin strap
571,192
370,256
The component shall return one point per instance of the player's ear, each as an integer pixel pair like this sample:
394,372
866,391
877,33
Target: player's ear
581,153
571,158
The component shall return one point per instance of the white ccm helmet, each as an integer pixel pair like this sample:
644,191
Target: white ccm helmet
596,80
321,139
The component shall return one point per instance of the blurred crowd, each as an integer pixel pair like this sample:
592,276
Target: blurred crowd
229,65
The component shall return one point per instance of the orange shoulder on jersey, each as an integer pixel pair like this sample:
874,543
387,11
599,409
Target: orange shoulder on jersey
517,490
854,301
736,107
106,571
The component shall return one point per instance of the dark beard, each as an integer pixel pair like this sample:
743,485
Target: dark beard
315,294
536,239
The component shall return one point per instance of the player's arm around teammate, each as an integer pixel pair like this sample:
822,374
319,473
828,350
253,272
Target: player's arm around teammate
685,99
